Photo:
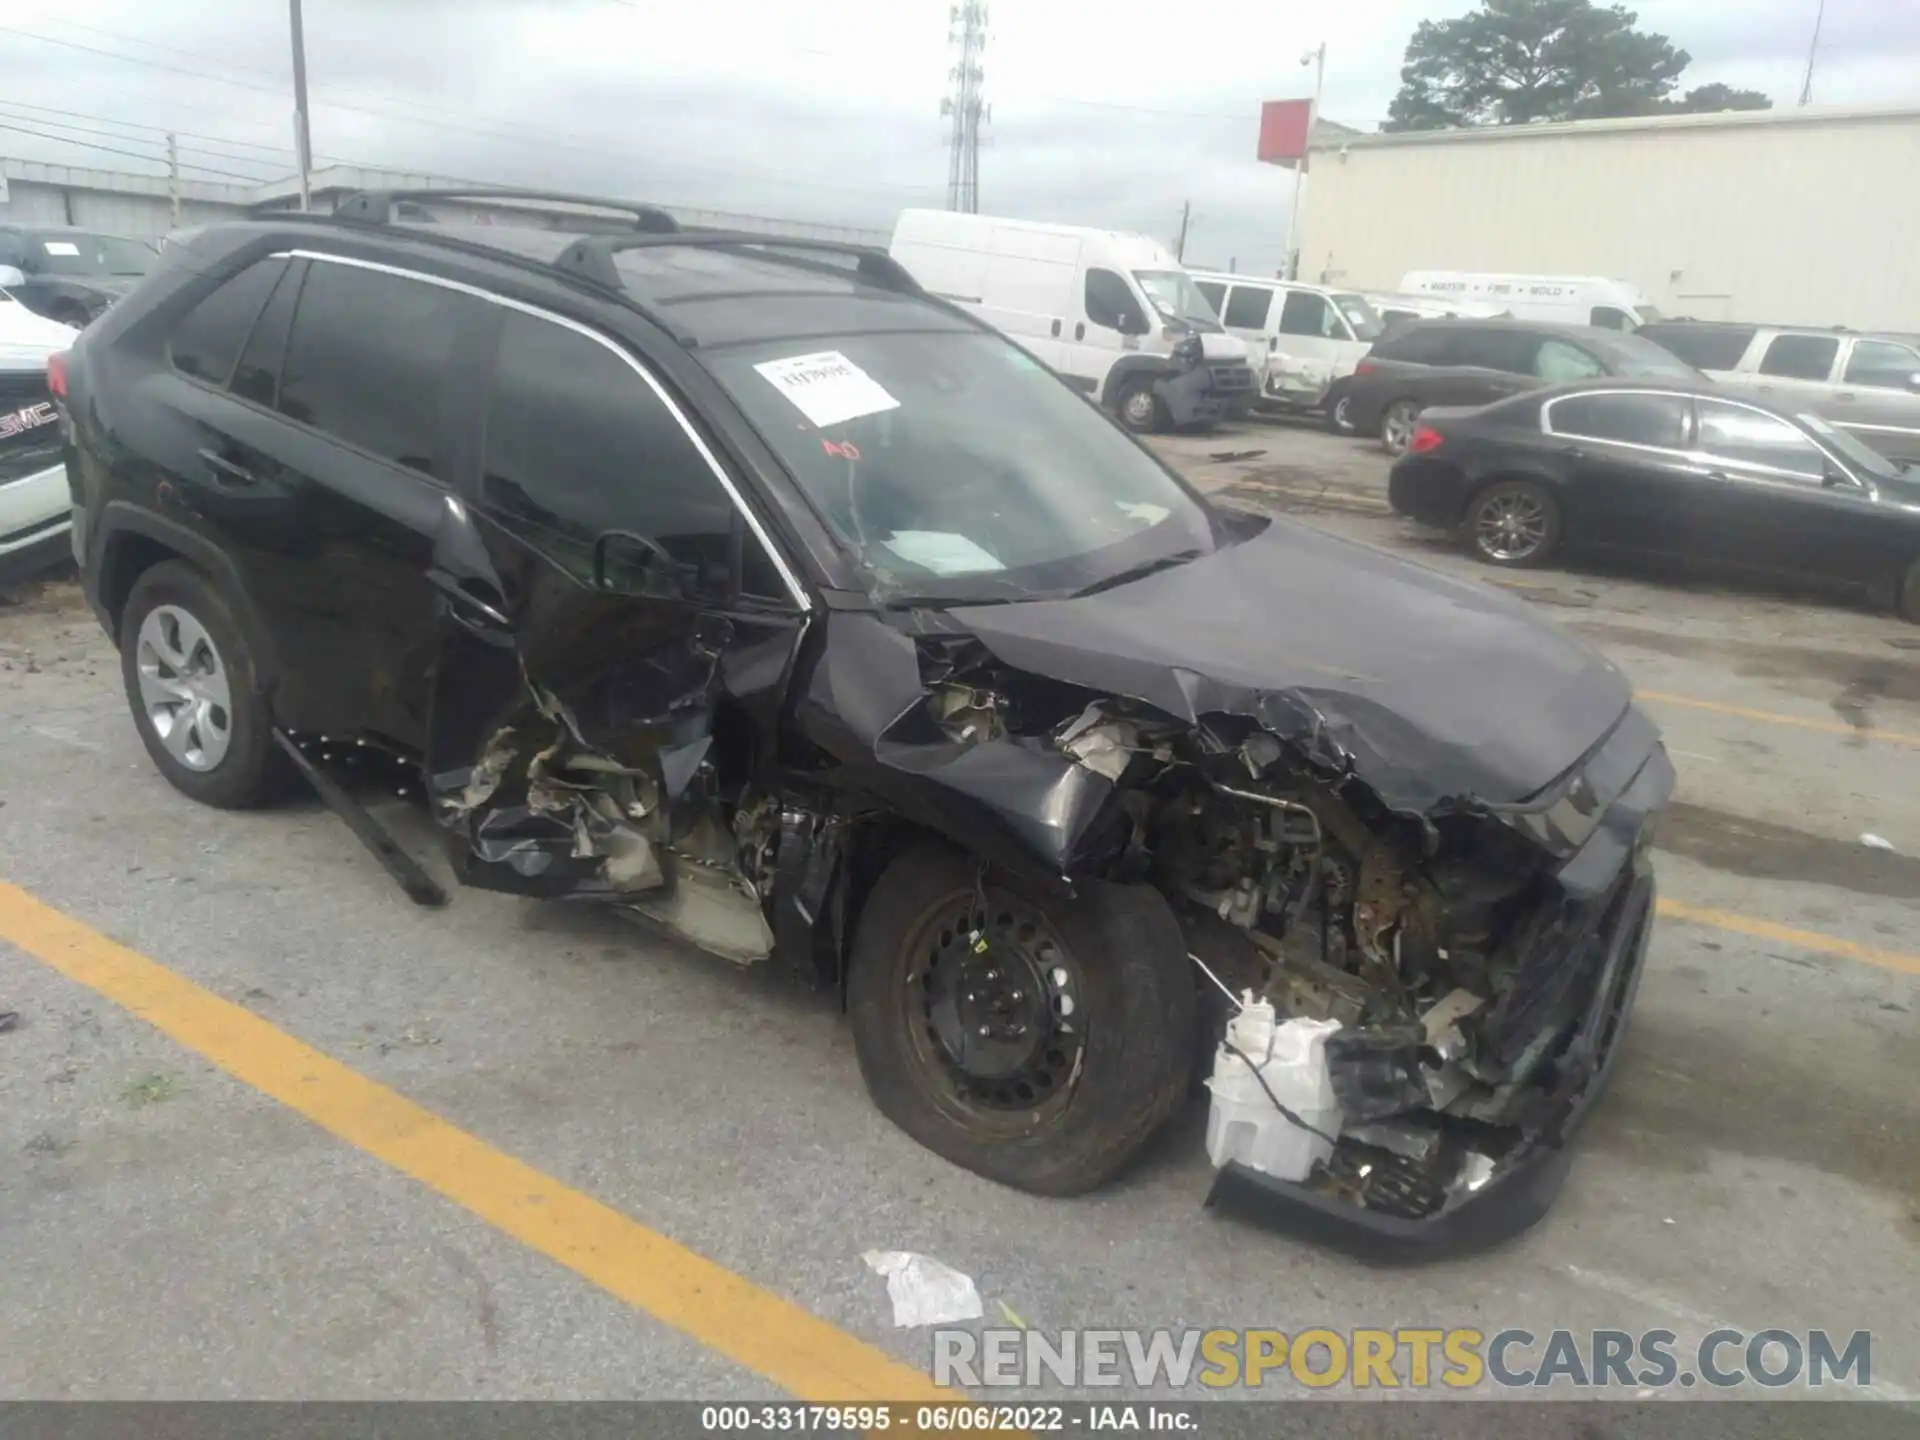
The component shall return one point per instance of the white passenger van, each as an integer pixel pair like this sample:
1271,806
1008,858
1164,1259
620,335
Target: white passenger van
1113,314
1568,299
1313,336
1394,308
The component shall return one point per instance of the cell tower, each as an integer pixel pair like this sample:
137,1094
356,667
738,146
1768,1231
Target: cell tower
967,32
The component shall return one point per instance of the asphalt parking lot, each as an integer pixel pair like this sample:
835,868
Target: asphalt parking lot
522,1150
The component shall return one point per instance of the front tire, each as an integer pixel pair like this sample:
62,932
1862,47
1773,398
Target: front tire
1513,523
1139,409
1340,415
194,690
1046,1060
1397,424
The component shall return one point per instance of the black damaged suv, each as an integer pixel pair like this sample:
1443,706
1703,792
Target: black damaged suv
737,582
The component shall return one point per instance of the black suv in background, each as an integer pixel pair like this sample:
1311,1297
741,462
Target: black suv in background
70,275
1476,362
736,582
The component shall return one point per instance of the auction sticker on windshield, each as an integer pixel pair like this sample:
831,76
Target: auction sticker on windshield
827,387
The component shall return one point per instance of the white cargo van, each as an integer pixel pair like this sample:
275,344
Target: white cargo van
1113,314
1313,336
1568,299
1393,308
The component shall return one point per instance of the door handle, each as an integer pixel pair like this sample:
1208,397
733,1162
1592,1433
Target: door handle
227,472
1056,329
1079,331
471,611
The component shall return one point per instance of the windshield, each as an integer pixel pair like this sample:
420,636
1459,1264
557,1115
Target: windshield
75,253
953,466
1364,319
1852,449
1175,296
1633,355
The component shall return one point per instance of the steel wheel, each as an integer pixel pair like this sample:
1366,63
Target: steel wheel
184,691
1514,522
1343,415
1397,426
1138,408
999,1012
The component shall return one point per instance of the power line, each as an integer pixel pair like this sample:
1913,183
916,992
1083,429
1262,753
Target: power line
115,135
130,154
522,135
144,125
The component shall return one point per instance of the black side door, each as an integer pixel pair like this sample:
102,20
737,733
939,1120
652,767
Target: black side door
1481,364
1632,483
615,643
1782,506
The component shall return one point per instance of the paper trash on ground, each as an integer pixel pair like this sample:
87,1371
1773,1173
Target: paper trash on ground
826,387
923,1291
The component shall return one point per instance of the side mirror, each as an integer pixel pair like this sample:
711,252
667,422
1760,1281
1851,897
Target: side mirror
625,563
12,275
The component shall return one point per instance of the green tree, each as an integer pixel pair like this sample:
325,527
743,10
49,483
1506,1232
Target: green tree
1705,99
1512,61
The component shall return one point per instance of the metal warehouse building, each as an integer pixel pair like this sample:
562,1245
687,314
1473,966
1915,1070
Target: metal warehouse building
1804,217
144,206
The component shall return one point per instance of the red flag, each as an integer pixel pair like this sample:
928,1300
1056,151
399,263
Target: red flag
1284,126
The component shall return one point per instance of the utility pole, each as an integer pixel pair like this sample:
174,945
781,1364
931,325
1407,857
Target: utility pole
302,144
1806,86
173,180
1180,245
1316,57
967,32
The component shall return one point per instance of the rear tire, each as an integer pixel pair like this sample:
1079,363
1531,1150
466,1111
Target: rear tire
1061,1085
1907,603
194,690
1397,424
1340,415
1514,523
1139,409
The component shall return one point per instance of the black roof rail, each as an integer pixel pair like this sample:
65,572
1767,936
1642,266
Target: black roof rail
591,256
376,207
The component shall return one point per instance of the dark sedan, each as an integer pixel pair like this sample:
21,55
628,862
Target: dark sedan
1679,472
69,275
1476,362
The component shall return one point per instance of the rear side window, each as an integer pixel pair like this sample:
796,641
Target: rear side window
366,358
206,343
1511,351
1247,307
578,444
1610,317
1715,349
1418,343
1308,314
1659,420
257,376
1751,438
1800,357
1557,362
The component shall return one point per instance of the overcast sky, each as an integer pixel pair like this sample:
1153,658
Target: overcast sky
1104,111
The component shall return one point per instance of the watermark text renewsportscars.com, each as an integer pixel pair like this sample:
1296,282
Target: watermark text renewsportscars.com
1402,1359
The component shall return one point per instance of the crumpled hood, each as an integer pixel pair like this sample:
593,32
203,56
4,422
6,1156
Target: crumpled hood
1432,688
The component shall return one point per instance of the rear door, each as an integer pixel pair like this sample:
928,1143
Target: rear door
1633,485
1483,364
1879,396
615,641
1794,371
1247,311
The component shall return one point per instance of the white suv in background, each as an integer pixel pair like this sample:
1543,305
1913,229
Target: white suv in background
34,501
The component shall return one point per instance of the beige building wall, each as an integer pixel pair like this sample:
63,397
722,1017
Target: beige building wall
1807,217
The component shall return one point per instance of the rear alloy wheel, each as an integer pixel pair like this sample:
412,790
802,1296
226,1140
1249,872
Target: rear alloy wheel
1140,409
1043,1053
1908,601
1513,522
190,682
1340,416
1397,426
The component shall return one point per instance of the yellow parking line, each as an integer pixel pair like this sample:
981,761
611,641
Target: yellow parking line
775,1338
1786,935
1825,727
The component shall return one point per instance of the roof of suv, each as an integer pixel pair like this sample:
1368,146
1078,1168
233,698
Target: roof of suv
708,288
